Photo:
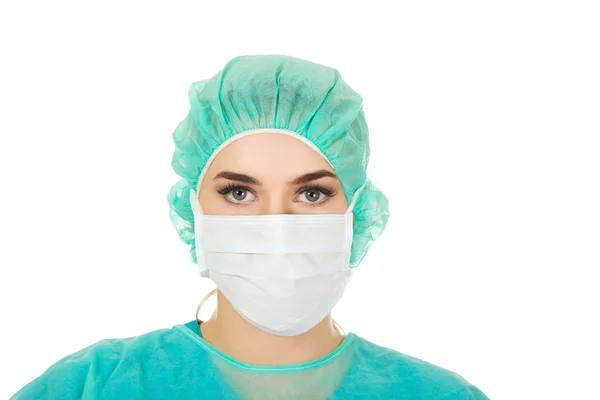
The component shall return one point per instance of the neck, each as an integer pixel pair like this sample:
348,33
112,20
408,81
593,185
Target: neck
236,337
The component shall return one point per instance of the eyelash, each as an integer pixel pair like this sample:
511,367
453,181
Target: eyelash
230,187
326,191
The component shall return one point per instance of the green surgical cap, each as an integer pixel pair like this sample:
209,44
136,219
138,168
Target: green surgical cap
286,93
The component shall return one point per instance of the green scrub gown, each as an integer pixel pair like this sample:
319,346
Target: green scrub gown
177,363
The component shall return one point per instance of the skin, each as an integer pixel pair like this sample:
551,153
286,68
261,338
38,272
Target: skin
275,162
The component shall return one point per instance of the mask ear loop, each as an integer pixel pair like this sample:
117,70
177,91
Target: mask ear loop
350,212
212,292
355,197
195,202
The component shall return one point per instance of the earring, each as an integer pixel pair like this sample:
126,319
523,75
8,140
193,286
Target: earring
204,299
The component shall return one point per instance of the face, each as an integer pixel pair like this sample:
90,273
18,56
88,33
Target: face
270,173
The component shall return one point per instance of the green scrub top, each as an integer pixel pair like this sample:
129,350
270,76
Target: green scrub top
177,363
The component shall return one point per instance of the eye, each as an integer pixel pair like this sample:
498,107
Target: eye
314,195
237,194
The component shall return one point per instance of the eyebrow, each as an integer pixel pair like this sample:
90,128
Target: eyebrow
234,176
311,176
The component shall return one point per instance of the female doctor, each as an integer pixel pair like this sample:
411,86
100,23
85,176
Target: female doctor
277,209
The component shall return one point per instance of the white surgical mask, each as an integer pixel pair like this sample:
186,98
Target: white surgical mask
283,273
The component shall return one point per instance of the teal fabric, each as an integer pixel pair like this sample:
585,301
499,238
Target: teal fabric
278,92
177,363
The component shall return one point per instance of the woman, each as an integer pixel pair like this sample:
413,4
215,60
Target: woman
278,210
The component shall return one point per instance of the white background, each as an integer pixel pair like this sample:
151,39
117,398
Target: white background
485,124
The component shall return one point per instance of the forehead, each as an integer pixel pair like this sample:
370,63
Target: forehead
270,155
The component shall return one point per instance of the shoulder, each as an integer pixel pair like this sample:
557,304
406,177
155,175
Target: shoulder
414,377
87,371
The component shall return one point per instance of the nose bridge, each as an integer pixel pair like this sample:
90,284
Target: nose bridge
275,202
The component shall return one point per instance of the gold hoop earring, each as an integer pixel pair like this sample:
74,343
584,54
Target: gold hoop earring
338,328
204,299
